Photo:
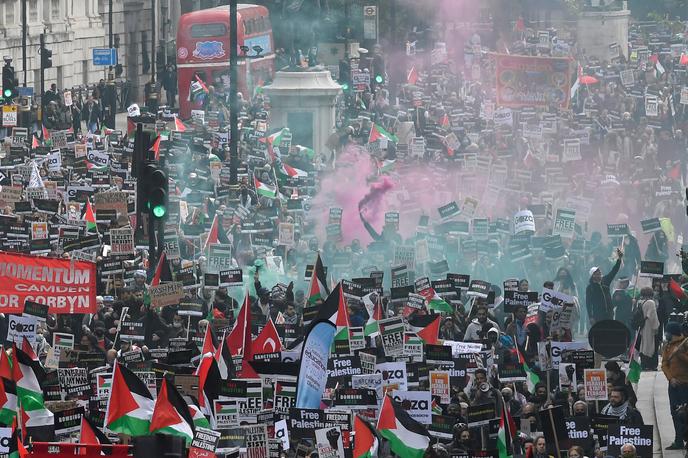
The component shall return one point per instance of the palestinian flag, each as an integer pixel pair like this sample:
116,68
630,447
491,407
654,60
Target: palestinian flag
179,125
634,368
130,404
209,382
375,314
407,438
209,340
332,307
8,401
365,439
131,128
274,142
46,133
287,171
171,414
506,433
225,363
90,218
28,375
435,302
197,416
532,378
16,447
37,425
386,166
264,189
34,142
318,288
91,434
162,271
436,408
377,132
427,327
341,344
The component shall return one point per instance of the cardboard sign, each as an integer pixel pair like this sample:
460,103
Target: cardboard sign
595,381
651,106
651,225
122,241
617,230
651,269
480,414
417,403
392,334
286,234
565,223
20,327
512,299
39,230
166,294
524,222
639,436
553,299
449,210
439,385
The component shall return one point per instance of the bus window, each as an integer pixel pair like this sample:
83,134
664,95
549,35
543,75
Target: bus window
208,30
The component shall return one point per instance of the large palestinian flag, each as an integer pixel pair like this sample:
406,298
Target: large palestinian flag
171,414
130,404
407,438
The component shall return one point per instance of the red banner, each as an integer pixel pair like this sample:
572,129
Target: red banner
65,286
524,81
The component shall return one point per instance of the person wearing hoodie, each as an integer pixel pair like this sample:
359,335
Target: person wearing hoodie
477,329
598,298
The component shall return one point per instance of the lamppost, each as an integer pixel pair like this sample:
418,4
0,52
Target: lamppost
233,94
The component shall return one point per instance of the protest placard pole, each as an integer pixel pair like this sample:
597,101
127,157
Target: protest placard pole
548,347
554,431
123,316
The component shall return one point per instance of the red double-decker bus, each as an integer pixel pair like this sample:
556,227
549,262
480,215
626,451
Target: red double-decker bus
203,51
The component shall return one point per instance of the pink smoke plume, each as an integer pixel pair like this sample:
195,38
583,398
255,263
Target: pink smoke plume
371,202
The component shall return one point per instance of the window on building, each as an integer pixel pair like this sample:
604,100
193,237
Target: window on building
55,12
9,12
33,10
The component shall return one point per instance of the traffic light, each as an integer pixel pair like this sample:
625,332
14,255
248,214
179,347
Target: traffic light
8,82
155,184
379,79
46,58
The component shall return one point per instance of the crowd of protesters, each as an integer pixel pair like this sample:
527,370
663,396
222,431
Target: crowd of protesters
293,206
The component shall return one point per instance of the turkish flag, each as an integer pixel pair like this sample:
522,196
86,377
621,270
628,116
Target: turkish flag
268,341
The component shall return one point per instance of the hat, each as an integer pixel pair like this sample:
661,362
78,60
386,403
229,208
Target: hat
673,328
593,270
140,273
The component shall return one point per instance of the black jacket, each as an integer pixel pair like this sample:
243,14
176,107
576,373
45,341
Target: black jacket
598,299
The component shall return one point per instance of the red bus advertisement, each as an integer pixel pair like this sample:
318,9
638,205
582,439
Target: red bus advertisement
203,52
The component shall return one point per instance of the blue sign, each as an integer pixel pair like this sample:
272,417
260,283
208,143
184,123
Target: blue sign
104,56
25,91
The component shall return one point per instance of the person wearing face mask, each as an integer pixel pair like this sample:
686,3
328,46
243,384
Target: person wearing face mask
580,409
461,442
675,368
598,298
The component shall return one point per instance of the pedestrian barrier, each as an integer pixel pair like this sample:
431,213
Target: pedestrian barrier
62,449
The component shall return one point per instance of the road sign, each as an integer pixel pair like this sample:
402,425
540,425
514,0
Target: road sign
9,115
104,56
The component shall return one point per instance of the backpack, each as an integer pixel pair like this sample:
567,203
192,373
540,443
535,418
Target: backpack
638,319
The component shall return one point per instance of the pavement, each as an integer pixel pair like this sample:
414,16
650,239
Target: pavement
653,403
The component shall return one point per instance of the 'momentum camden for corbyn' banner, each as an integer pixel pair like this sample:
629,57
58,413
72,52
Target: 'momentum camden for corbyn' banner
65,286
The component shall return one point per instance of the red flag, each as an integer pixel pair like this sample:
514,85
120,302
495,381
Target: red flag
131,127
158,269
675,172
46,133
677,290
444,122
268,341
412,77
28,349
237,337
684,59
91,434
34,142
179,125
156,148
5,367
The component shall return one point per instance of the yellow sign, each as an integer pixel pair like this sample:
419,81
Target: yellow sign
9,115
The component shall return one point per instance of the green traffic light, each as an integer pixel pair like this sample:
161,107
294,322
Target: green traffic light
345,87
7,92
378,79
159,211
